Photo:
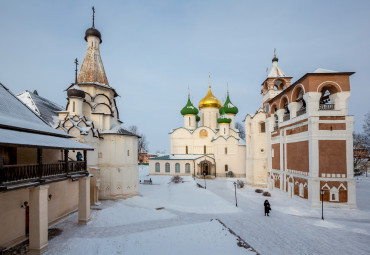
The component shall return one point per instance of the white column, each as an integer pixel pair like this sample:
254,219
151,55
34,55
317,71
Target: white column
84,200
280,114
312,100
340,101
38,236
293,108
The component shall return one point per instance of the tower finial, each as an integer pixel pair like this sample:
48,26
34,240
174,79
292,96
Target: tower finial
76,62
227,87
93,9
188,91
274,52
209,80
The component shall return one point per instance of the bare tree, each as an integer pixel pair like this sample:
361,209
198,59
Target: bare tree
360,153
366,128
241,129
142,143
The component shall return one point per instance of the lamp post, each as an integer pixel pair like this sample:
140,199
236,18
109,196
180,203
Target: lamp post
205,184
236,200
322,203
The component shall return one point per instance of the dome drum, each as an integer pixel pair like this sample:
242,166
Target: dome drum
92,31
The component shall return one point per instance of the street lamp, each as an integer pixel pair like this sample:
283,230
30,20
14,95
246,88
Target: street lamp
205,184
236,200
322,203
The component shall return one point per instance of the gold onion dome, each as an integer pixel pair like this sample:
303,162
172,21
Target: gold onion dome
209,100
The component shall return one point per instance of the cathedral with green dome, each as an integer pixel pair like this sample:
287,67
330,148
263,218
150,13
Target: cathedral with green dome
207,145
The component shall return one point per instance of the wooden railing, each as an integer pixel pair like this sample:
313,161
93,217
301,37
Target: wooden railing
326,107
15,174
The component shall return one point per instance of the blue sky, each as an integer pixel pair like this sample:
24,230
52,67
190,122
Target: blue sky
152,51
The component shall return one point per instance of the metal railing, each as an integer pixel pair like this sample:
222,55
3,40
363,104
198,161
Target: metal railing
325,107
301,112
286,117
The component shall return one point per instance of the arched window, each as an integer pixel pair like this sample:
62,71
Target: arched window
128,153
334,194
226,168
205,149
74,108
224,131
202,122
225,150
186,149
276,121
302,103
325,102
279,85
157,167
177,168
167,169
262,127
187,168
301,190
189,121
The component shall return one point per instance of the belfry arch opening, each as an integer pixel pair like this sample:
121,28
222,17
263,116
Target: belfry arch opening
298,98
325,100
279,84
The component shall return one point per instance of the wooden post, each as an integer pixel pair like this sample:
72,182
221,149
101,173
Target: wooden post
39,162
85,159
66,166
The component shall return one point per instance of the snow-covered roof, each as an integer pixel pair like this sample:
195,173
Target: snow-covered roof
275,71
16,115
76,87
322,70
13,137
118,130
43,107
181,157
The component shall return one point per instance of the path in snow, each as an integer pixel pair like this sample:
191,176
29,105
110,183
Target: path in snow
133,226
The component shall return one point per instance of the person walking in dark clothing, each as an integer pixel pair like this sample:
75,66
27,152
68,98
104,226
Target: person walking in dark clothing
267,207
79,156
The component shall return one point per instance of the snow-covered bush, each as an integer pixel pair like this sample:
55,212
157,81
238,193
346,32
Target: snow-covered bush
230,174
266,194
176,179
240,183
258,190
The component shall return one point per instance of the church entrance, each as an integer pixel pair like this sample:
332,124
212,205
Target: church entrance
205,169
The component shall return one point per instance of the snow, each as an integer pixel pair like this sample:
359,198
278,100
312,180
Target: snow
181,156
322,70
76,87
187,224
14,113
8,136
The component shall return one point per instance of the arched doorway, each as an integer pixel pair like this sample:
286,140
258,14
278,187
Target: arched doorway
205,167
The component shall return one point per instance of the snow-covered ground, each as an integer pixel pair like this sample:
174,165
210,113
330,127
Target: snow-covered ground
187,225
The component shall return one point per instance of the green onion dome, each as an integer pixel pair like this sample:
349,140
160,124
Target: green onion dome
229,107
223,119
189,108
221,109
197,118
